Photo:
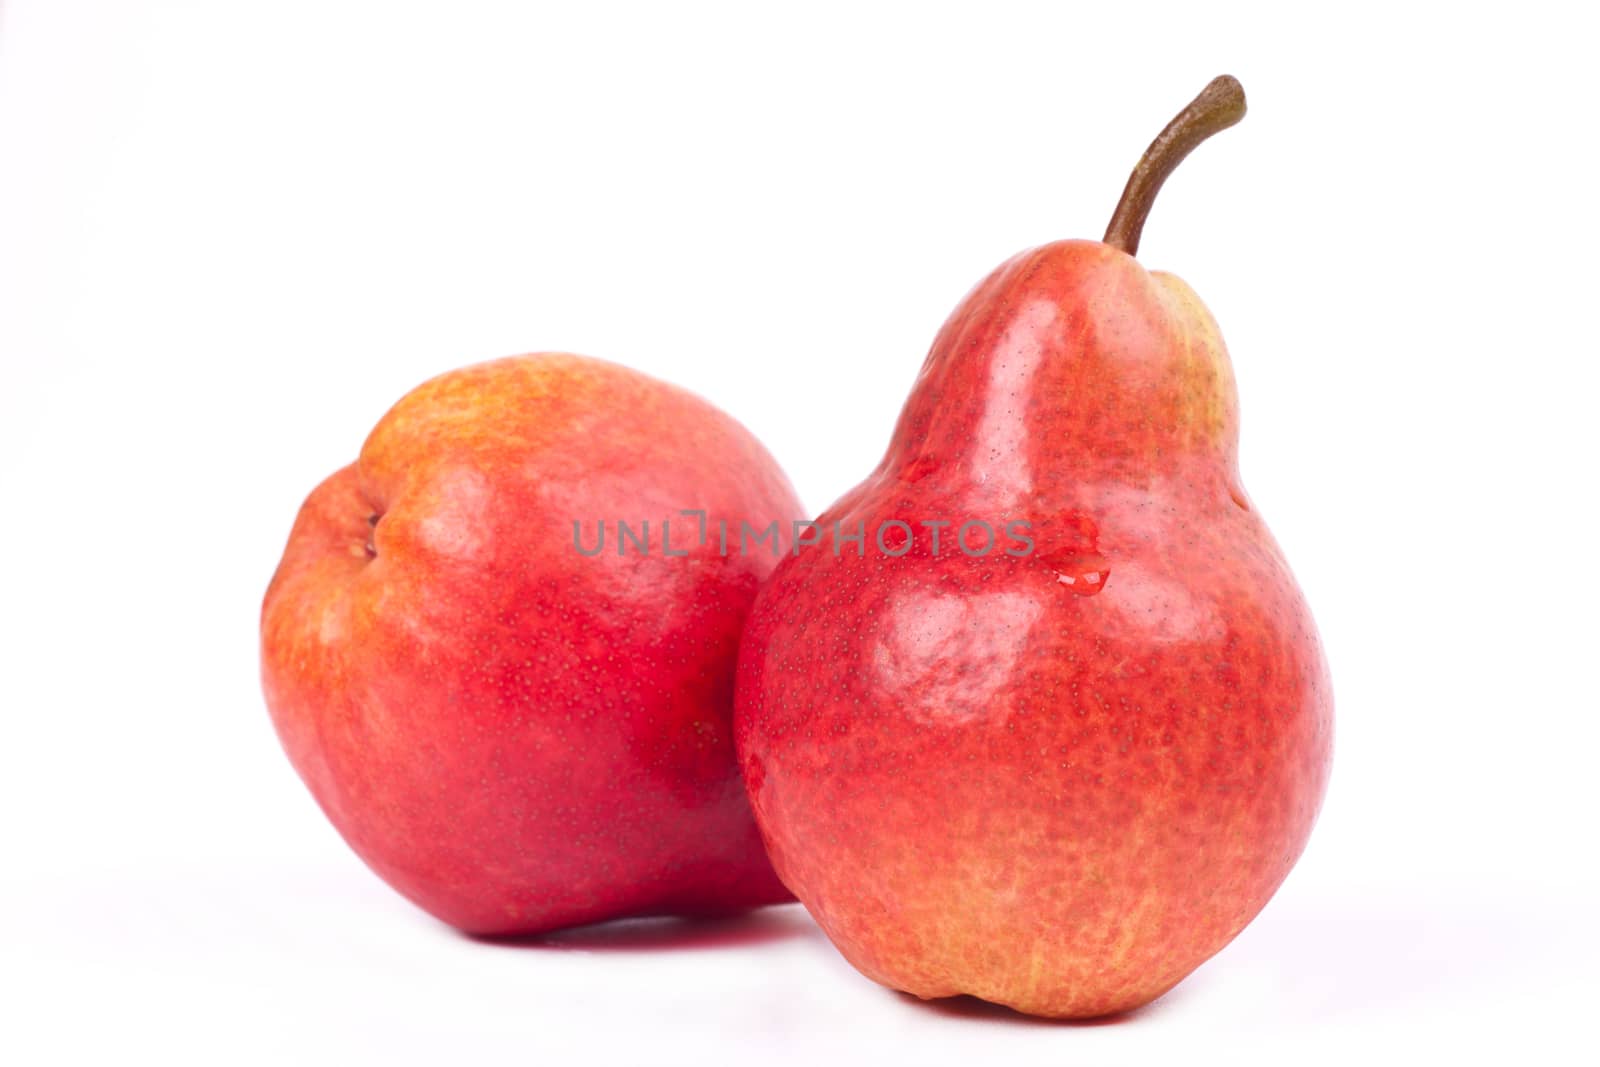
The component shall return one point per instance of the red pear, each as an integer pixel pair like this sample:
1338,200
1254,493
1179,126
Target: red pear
515,731
1058,725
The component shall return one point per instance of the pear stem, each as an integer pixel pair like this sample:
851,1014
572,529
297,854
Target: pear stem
1219,105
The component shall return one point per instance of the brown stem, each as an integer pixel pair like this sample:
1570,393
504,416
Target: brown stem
1219,105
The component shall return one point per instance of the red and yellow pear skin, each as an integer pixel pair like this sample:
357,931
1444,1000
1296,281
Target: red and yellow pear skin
515,735
1059,779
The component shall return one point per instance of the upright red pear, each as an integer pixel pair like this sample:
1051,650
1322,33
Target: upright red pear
1055,728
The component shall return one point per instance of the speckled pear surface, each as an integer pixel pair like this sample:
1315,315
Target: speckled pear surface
1058,780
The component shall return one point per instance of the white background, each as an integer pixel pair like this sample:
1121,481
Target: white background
232,233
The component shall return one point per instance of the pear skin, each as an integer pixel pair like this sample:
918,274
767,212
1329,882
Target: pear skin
1058,778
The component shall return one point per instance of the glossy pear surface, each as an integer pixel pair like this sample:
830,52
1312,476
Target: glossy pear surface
1062,779
514,734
